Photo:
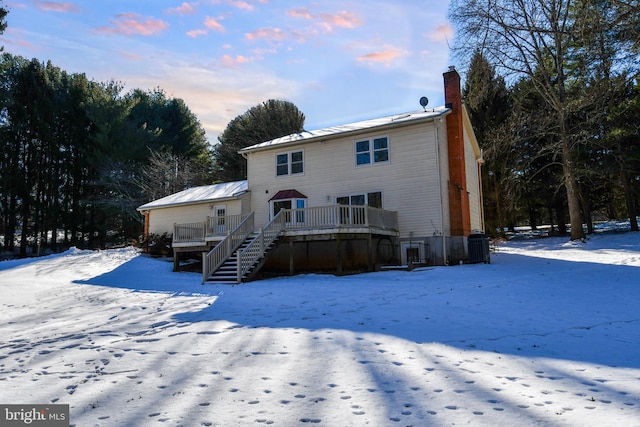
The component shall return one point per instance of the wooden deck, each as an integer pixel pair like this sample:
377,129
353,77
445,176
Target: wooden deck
318,221
220,238
204,234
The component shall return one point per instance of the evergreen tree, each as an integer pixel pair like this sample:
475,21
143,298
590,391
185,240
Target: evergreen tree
487,99
269,120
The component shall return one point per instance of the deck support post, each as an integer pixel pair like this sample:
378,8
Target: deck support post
339,254
176,260
369,253
291,257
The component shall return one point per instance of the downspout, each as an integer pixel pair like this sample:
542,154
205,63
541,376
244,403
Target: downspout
444,242
480,189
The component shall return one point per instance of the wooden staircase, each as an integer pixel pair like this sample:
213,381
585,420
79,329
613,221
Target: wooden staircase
228,272
241,255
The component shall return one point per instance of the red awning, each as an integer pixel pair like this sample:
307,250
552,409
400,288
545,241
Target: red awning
288,194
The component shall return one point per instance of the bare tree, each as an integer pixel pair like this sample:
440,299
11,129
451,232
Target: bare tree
534,38
169,173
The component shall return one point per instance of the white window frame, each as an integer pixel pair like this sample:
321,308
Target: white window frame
371,151
364,193
296,203
289,163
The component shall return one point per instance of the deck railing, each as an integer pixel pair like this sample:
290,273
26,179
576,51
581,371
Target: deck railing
188,233
212,227
258,246
222,225
341,216
222,251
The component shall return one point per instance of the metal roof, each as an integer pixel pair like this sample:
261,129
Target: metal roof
205,193
335,131
288,194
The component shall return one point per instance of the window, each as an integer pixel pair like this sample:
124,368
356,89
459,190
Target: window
375,150
351,215
289,163
278,205
373,199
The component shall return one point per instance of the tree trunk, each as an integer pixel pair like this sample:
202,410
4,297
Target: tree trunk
586,208
575,218
628,196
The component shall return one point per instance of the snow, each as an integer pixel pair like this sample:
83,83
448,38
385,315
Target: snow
547,334
307,136
225,190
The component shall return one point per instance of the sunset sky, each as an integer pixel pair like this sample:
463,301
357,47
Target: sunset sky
337,61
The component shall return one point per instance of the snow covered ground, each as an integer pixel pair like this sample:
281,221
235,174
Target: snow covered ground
548,334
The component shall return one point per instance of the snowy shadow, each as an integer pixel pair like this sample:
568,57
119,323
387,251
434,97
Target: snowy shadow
581,311
22,262
145,274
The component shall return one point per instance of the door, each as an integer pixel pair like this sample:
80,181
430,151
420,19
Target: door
220,219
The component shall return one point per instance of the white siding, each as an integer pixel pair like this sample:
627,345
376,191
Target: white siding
161,220
472,155
408,182
473,187
444,178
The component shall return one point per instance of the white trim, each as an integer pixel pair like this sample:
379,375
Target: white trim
371,151
361,193
412,244
289,163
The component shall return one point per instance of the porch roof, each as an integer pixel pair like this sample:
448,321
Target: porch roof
288,194
205,193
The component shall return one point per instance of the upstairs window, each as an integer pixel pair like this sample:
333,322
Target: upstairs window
290,163
374,150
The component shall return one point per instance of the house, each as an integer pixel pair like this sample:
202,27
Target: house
402,189
205,215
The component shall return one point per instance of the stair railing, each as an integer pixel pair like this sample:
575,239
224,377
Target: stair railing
258,246
222,251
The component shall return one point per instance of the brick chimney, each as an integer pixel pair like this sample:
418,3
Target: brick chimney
459,212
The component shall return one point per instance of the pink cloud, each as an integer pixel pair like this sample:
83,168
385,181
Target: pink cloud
275,34
55,6
213,24
229,61
441,33
130,56
247,5
241,4
342,19
134,24
385,56
196,33
183,9
327,21
302,12
14,37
